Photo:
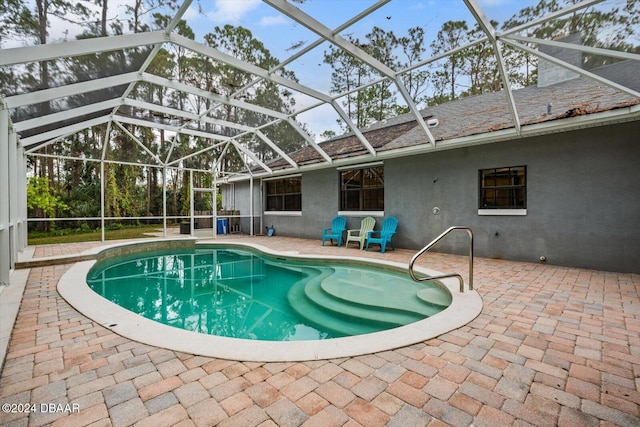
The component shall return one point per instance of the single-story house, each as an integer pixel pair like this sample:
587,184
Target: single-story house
564,188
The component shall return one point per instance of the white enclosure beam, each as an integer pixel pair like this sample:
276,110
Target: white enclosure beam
220,157
548,17
66,130
12,201
354,128
275,148
414,109
50,51
507,87
156,48
487,28
118,162
167,111
69,114
251,155
137,141
175,20
191,204
154,125
204,150
5,185
310,141
106,140
481,19
69,90
35,147
586,49
321,40
172,145
260,72
185,115
304,135
314,25
102,199
570,67
251,231
161,81
23,211
247,67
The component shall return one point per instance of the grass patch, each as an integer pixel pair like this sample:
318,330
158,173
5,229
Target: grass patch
132,232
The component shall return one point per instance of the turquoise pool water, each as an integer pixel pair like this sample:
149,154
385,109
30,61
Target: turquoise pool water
241,293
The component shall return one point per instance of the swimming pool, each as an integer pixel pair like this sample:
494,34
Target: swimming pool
241,293
73,287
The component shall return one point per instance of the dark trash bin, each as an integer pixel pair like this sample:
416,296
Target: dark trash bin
223,225
185,228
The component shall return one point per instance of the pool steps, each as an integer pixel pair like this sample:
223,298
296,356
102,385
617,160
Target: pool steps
317,294
332,300
317,315
382,295
434,296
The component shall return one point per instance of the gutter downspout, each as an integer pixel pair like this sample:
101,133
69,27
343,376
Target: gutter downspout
164,201
251,233
192,222
261,205
214,206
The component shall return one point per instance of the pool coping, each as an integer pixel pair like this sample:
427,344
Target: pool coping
73,288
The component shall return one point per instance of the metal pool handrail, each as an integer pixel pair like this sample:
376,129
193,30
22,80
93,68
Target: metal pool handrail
443,276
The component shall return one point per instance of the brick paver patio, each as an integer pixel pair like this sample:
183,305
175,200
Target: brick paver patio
552,346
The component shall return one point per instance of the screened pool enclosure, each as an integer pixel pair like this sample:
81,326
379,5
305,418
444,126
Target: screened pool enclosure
180,103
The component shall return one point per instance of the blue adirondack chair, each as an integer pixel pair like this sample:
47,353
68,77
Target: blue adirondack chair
338,227
384,236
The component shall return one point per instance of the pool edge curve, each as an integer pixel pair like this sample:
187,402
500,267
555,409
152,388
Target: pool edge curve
73,287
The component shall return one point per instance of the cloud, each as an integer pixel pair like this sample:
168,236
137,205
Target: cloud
268,21
232,10
493,3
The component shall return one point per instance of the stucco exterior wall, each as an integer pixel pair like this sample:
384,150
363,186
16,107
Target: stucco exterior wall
583,200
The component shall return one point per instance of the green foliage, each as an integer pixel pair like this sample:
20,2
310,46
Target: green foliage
42,200
17,19
186,201
453,34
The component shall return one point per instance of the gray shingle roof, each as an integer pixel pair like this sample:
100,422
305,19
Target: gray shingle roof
486,113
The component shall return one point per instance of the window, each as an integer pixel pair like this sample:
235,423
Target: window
362,189
284,194
503,188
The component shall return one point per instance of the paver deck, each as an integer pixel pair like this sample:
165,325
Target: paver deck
553,346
